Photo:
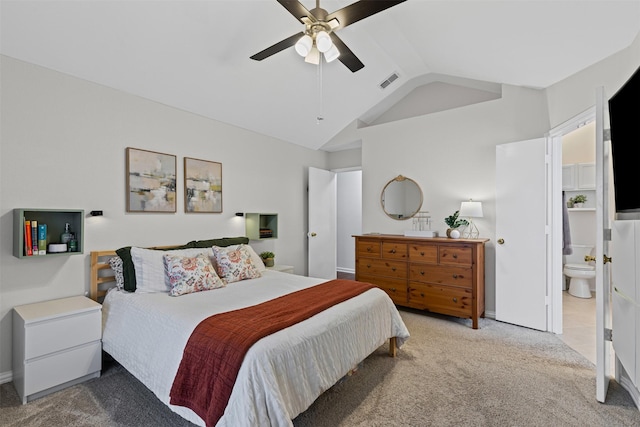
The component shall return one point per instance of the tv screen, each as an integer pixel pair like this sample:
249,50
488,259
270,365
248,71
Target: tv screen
624,122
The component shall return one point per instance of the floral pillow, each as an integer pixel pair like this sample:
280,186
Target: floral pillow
116,265
187,275
235,264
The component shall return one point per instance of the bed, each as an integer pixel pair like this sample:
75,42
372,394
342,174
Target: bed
280,375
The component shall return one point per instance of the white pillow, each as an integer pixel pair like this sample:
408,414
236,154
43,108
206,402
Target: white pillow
255,259
149,267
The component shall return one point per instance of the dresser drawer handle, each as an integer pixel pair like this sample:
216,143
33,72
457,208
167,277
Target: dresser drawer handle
368,265
422,273
393,251
393,289
421,253
455,256
455,299
422,294
393,269
369,249
455,276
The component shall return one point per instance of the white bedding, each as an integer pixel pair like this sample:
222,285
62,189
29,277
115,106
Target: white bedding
281,375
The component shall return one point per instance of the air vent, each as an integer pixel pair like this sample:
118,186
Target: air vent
393,77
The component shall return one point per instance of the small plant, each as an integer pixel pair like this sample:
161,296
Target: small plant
580,198
267,255
454,222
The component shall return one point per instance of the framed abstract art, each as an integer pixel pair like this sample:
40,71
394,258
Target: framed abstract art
151,181
202,186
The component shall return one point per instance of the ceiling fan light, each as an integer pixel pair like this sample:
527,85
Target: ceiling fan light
303,46
323,41
313,57
332,54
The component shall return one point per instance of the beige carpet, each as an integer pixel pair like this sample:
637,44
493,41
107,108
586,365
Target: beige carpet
447,374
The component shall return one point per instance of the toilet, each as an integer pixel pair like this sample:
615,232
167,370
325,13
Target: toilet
578,271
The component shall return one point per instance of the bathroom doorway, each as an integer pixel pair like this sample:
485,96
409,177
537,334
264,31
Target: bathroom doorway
578,183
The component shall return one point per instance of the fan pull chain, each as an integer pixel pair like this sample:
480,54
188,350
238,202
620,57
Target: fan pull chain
320,117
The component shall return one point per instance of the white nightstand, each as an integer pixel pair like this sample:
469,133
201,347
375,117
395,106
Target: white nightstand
282,268
56,344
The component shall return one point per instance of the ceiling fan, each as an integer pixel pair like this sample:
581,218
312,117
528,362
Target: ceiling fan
319,35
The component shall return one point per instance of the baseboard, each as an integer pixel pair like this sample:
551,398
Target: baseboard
490,315
628,385
6,377
346,270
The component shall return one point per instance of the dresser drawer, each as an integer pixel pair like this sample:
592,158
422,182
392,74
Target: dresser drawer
423,253
64,332
395,288
441,299
394,250
455,276
368,248
450,255
380,267
62,367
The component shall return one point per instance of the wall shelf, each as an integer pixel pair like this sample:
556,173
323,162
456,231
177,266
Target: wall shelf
55,219
261,226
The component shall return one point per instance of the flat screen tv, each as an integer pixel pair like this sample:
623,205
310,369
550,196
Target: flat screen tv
624,122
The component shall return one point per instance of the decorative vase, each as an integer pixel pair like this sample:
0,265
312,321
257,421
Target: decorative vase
453,233
268,262
578,205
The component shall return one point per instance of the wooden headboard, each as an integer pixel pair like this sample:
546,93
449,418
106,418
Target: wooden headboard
102,276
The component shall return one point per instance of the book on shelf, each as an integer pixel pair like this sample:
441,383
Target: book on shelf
34,237
28,248
42,239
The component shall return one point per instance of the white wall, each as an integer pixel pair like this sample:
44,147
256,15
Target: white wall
349,189
63,146
451,155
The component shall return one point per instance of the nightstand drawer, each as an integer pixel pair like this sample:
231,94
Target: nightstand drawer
59,368
61,333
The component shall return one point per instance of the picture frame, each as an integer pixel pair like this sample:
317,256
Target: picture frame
202,186
151,181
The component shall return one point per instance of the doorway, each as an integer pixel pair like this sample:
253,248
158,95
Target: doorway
580,132
349,219
578,303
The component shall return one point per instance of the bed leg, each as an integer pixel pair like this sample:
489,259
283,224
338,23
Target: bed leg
393,348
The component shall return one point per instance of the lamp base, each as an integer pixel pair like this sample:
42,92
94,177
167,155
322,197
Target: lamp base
471,232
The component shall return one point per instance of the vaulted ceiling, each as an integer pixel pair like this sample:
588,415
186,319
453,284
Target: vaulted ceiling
194,55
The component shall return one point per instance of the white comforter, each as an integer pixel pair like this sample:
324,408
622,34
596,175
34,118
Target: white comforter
281,375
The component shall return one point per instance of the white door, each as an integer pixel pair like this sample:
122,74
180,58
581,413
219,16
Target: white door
603,283
521,233
322,224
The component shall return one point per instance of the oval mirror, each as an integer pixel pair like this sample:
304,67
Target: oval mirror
401,198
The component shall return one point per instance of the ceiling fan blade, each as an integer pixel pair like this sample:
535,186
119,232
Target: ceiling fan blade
348,58
360,10
297,9
280,46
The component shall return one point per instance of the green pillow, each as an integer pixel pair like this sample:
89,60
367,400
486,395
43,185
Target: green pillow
223,242
128,269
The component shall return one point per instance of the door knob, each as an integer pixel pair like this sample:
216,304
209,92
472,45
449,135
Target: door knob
501,241
312,234
589,258
607,259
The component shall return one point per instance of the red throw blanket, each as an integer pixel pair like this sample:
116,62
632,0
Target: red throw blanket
217,346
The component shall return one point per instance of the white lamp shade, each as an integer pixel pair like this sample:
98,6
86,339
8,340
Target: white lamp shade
323,41
471,209
303,46
313,57
332,53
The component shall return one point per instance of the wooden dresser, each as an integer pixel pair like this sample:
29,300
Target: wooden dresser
440,275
